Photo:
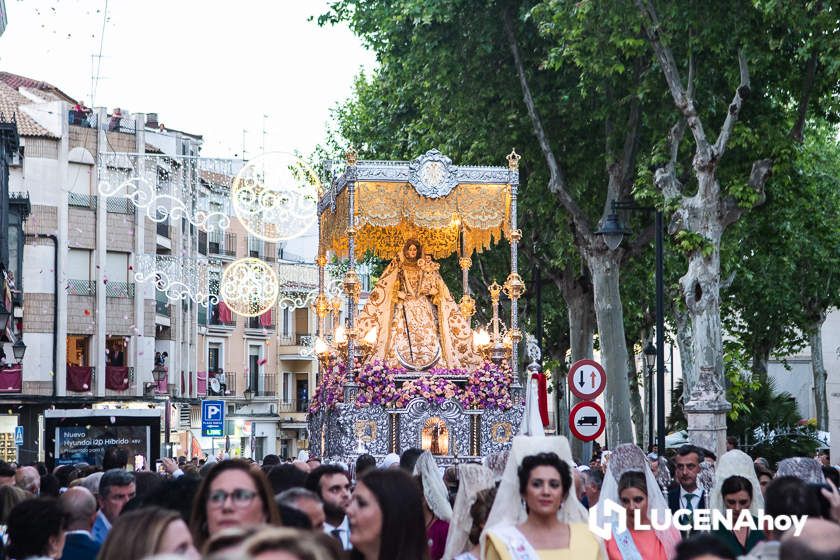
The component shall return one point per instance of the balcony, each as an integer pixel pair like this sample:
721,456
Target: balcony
119,205
84,119
120,123
258,323
119,380
81,288
293,405
222,245
11,379
266,385
81,200
81,379
221,383
119,290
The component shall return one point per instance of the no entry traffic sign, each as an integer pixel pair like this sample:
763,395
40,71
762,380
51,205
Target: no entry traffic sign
587,379
587,420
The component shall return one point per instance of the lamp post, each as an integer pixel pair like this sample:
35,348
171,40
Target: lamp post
613,231
650,362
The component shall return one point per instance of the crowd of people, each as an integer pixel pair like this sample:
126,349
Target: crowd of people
533,502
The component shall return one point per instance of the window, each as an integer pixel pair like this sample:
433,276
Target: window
79,264
78,350
214,353
287,322
116,350
116,266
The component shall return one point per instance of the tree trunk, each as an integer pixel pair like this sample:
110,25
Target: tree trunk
760,359
578,298
609,315
636,410
684,342
820,374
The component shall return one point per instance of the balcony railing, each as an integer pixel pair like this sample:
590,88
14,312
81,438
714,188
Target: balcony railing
305,339
119,205
294,405
121,123
224,245
81,288
85,119
224,384
255,323
162,306
214,322
119,289
81,200
266,385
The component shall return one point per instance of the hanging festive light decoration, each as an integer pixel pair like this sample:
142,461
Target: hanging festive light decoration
249,287
179,278
166,187
275,196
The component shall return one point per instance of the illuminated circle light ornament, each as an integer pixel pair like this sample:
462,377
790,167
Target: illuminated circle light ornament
275,196
249,287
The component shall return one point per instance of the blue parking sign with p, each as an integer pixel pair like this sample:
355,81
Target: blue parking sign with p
212,418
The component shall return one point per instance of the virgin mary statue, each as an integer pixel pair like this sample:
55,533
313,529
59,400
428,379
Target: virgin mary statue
418,323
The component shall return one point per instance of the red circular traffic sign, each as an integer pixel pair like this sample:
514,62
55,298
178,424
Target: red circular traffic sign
587,420
587,379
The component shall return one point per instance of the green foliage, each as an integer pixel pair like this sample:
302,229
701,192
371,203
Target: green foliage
689,242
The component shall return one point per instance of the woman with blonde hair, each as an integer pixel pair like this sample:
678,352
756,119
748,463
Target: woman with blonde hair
148,532
290,543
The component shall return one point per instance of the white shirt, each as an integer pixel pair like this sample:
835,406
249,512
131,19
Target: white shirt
344,532
695,501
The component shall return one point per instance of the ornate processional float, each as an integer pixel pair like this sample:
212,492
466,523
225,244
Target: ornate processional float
408,370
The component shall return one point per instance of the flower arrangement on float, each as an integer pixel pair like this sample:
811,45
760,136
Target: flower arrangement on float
430,386
486,387
377,385
330,391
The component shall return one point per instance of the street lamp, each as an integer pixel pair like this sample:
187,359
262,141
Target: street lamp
19,350
613,231
249,393
650,362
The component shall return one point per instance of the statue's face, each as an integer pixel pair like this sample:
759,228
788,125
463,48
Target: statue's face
411,251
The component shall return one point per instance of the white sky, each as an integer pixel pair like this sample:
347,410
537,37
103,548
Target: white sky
205,66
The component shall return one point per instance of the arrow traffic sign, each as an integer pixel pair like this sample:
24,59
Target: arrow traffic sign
587,379
587,420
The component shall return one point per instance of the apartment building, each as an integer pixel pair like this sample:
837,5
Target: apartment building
91,333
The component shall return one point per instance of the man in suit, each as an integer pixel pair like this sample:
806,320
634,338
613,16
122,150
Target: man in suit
80,508
116,488
686,494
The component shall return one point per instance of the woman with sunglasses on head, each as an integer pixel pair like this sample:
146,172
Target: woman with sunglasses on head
233,494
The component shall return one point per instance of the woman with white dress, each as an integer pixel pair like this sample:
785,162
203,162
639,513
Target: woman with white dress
536,514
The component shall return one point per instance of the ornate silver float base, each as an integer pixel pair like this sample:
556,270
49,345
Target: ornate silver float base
457,434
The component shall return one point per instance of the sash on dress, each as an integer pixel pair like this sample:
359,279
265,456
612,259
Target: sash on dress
626,546
517,545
